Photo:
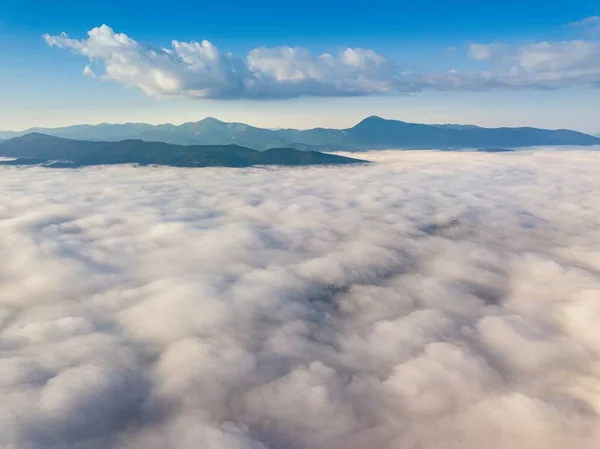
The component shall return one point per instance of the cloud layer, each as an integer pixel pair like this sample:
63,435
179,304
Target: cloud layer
549,65
431,300
200,70
590,24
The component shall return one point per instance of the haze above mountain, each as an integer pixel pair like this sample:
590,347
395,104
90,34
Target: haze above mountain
41,149
370,134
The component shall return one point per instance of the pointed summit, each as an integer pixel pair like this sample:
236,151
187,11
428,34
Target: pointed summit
211,121
208,124
373,118
377,124
376,121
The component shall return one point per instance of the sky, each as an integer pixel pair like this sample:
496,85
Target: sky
281,64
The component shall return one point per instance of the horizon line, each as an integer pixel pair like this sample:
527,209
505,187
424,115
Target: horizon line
175,124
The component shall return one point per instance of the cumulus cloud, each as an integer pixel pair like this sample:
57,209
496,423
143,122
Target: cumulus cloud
199,69
87,71
543,64
589,24
480,52
429,300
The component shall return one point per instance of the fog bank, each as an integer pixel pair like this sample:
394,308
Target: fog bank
428,301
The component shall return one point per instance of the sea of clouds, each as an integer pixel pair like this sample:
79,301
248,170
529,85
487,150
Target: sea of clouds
428,301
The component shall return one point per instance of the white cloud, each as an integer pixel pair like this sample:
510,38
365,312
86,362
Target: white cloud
543,64
294,71
307,308
480,52
590,24
200,70
88,71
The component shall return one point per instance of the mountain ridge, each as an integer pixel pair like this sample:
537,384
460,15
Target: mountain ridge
371,133
52,151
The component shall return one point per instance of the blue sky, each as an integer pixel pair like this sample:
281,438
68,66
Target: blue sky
41,81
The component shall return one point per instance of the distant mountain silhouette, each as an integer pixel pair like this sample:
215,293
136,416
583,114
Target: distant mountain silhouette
378,132
370,134
36,148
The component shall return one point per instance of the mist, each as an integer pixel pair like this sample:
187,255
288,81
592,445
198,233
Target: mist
430,300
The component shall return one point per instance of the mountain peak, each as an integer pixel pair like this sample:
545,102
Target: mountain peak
373,118
373,132
36,137
209,120
206,124
374,121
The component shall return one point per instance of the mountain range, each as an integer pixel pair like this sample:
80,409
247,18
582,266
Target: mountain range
371,133
41,149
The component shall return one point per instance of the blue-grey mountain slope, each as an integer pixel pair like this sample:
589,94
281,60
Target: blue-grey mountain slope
370,134
36,149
